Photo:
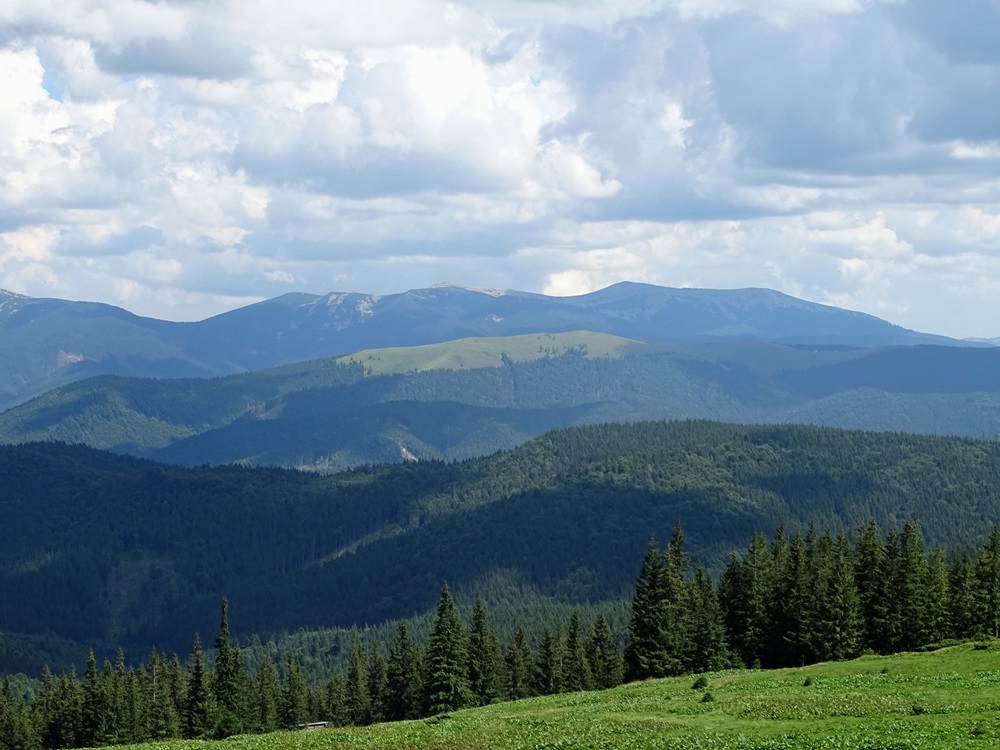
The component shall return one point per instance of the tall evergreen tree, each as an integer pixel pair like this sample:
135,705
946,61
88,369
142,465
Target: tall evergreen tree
937,625
405,681
378,686
603,654
677,593
870,576
963,614
336,701
446,667
906,598
792,633
96,719
358,695
646,652
294,698
485,661
267,696
229,683
518,661
747,591
164,720
577,674
66,728
988,585
17,729
837,608
551,663
707,651
199,711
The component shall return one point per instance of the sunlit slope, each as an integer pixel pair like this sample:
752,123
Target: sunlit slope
472,353
942,700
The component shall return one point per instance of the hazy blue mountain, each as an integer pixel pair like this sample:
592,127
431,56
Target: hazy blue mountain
48,342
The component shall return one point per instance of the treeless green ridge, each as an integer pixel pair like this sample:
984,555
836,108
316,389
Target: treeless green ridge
474,353
942,699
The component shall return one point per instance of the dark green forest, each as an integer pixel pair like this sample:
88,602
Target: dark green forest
788,601
112,551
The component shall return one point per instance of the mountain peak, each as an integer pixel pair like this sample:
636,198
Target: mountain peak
476,289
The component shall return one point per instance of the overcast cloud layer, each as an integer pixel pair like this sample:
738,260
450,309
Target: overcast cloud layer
183,157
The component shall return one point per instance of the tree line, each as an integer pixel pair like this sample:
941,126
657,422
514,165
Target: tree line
806,597
459,667
786,601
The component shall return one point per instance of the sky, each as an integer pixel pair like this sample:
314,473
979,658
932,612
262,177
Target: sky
181,158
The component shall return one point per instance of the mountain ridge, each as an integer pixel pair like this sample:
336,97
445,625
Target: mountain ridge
48,342
474,396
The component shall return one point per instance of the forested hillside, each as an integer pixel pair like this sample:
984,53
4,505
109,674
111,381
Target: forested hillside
97,546
793,600
473,397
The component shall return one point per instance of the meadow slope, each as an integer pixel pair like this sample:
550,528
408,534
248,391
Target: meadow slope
947,698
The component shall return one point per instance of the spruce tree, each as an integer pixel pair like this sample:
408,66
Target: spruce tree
96,717
518,661
446,667
988,585
708,651
676,592
45,707
604,656
267,696
937,626
66,729
199,712
358,694
837,625
134,719
551,663
577,674
164,720
177,685
794,604
229,681
870,575
404,678
17,729
646,654
906,596
378,686
485,662
747,592
294,697
963,614
336,701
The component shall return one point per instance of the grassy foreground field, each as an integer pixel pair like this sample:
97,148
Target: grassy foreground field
943,699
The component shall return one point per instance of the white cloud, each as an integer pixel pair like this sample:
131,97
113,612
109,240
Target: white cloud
182,157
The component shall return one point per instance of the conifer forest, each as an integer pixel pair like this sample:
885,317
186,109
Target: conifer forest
789,600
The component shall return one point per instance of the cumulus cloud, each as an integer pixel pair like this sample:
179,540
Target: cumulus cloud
179,158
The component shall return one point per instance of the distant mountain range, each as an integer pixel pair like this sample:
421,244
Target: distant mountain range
45,343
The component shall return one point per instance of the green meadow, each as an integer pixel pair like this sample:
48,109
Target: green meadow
948,698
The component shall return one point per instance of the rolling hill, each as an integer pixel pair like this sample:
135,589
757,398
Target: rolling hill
472,397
